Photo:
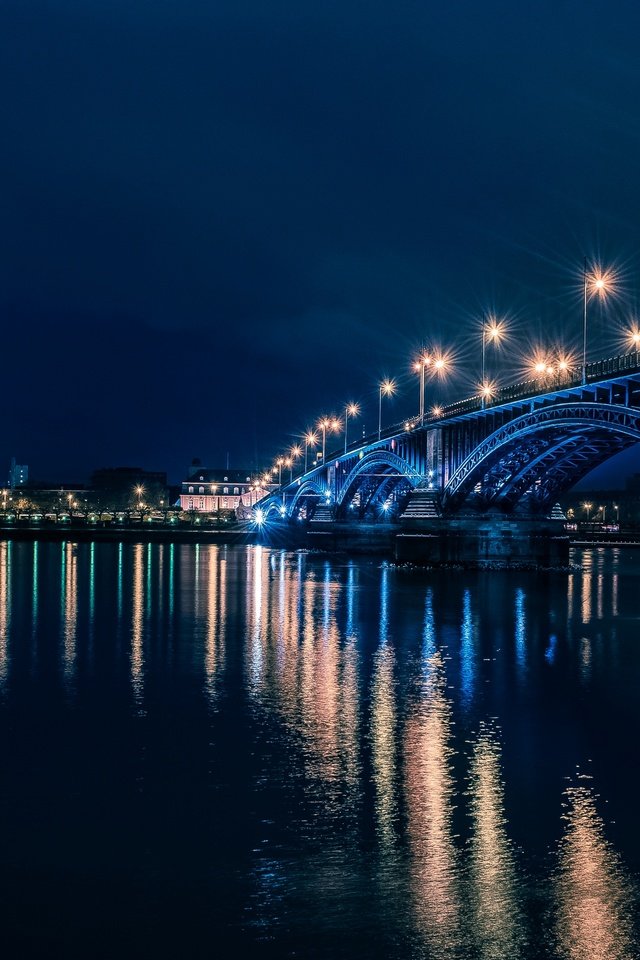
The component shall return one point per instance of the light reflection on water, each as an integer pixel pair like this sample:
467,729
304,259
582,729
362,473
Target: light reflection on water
373,730
595,902
494,895
435,863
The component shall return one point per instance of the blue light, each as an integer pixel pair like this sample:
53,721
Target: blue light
259,517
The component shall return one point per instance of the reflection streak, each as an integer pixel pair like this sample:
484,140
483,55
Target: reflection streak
430,795
595,902
494,894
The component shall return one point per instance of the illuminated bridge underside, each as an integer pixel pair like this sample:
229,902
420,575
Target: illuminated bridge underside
375,479
525,464
306,497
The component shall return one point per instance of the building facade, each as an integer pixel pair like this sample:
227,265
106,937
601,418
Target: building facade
208,491
18,474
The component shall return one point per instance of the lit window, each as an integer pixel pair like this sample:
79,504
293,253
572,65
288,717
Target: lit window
224,502
201,503
190,489
226,490
190,503
200,489
236,491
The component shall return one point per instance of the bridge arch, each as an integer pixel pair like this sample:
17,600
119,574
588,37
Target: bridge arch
270,508
309,490
379,472
535,457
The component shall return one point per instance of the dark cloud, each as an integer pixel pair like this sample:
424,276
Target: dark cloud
221,219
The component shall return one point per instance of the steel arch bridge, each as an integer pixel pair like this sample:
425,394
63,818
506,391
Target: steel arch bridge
516,454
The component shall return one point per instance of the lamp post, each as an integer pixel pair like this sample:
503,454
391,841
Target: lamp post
296,452
586,506
386,388
493,332
419,366
279,464
325,423
351,410
309,438
600,286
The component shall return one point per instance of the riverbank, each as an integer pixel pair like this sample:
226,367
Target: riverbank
57,533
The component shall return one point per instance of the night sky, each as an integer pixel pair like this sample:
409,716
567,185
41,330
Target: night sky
222,220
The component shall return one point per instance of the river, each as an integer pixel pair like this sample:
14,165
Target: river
212,751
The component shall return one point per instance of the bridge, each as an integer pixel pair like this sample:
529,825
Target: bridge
508,456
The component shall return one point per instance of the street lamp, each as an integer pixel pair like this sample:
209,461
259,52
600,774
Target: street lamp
487,390
289,463
438,365
634,339
296,452
279,464
351,410
586,506
310,439
324,425
419,367
492,332
599,284
386,388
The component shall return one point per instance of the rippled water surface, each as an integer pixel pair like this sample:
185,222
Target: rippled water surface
212,752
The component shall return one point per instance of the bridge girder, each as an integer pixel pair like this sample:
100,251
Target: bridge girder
540,454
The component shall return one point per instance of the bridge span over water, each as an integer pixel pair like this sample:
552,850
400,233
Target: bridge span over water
511,455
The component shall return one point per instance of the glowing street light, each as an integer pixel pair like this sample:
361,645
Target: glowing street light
586,506
419,366
288,462
351,410
310,440
600,284
438,366
492,332
487,391
279,465
633,338
386,388
295,453
324,425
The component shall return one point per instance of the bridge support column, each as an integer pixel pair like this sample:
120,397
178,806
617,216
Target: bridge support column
484,541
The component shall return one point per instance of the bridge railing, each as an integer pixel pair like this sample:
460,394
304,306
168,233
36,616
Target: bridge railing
524,389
